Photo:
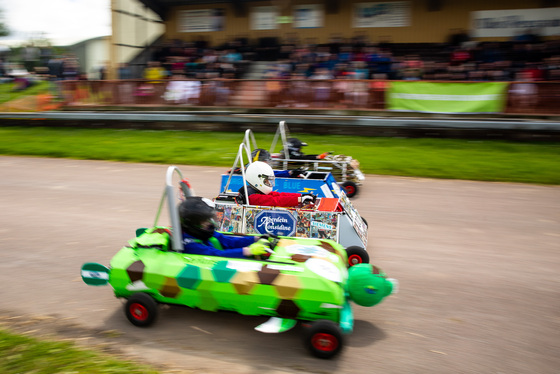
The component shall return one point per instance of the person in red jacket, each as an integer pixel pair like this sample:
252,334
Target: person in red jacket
260,180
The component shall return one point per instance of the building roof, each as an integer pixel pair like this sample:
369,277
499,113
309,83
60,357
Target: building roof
162,7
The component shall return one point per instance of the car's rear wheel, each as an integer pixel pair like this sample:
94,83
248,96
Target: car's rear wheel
323,339
141,309
357,255
350,188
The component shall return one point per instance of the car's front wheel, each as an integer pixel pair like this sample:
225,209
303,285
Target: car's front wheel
323,339
141,309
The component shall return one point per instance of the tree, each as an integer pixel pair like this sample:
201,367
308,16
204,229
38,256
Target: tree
3,28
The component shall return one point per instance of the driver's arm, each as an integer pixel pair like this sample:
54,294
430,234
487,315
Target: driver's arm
232,241
282,173
284,199
193,247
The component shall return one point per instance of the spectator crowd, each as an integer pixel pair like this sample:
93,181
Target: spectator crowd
344,71
460,59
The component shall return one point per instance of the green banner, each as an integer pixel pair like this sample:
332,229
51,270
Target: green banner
444,97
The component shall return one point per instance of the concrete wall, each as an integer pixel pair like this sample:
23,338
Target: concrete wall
134,28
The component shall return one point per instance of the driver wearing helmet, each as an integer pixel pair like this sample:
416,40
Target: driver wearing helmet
263,155
260,180
197,217
260,154
294,146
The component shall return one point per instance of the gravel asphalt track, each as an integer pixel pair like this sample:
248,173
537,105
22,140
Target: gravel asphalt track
478,265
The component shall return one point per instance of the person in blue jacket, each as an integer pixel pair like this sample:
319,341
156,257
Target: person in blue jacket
198,224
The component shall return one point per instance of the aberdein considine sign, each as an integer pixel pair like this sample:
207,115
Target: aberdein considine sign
275,222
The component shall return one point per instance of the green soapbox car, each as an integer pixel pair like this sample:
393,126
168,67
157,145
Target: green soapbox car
303,279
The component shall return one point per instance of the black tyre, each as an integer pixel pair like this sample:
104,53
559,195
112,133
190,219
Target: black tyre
141,309
350,188
363,219
357,255
323,339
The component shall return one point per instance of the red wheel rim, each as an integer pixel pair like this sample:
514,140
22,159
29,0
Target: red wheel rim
350,190
324,342
354,260
138,311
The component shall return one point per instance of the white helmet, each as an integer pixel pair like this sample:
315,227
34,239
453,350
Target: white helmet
260,176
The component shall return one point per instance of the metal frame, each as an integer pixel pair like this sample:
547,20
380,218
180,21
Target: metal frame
169,194
239,162
250,142
318,165
280,133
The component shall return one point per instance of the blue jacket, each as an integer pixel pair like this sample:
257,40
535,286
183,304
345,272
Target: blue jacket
282,173
232,245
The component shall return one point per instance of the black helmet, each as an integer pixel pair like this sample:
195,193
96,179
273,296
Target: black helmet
197,217
260,154
294,144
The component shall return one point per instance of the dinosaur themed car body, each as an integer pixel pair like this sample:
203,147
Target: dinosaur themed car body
306,280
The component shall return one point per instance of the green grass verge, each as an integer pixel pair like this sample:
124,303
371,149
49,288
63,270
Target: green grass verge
22,354
490,160
7,93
